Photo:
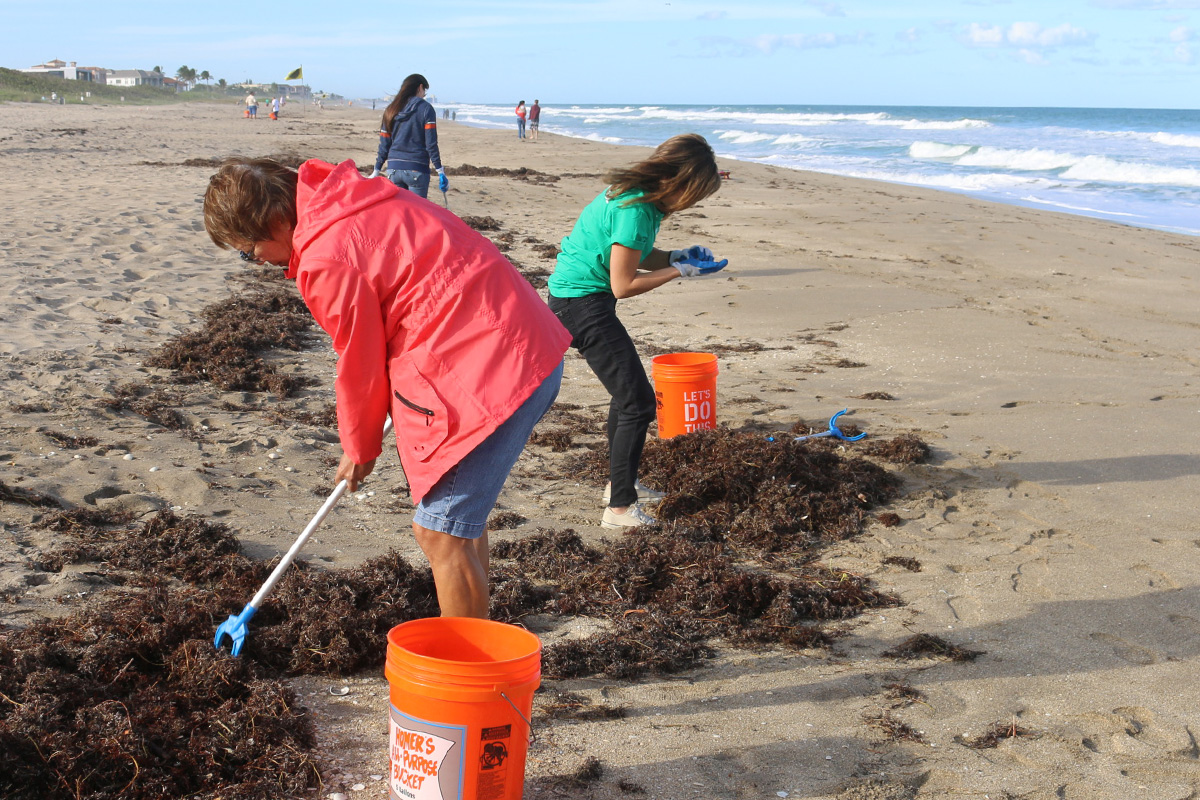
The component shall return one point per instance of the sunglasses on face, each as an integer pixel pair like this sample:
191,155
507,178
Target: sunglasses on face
250,257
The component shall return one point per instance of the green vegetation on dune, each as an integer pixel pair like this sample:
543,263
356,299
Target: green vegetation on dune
26,87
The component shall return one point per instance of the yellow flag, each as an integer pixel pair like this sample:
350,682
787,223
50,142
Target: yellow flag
295,75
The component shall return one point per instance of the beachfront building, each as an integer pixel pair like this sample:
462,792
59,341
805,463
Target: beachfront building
70,72
134,77
273,89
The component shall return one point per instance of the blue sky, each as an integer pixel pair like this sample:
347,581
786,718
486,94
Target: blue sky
1106,53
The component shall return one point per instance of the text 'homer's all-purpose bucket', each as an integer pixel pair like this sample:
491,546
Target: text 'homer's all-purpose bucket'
461,697
685,392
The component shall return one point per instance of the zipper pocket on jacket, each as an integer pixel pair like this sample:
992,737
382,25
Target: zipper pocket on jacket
415,407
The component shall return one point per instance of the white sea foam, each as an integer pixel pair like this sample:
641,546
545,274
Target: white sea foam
745,137
1031,160
932,124
1175,139
793,138
937,150
1107,170
1084,209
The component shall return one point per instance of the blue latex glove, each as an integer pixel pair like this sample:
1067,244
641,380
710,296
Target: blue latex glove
697,252
443,181
698,268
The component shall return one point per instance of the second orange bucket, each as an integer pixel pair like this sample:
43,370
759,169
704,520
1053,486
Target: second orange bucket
685,392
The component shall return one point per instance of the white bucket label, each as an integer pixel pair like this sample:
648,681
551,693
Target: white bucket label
698,410
420,769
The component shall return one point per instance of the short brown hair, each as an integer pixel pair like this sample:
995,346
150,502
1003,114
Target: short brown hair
246,198
681,172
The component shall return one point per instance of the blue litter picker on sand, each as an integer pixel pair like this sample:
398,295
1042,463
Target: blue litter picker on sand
833,431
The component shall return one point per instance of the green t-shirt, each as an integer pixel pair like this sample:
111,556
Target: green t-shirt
584,263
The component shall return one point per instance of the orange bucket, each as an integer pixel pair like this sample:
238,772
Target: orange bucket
461,697
685,392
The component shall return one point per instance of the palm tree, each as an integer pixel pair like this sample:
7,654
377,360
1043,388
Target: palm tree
204,76
158,70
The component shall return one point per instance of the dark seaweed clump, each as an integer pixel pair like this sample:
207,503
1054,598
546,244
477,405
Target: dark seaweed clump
128,698
773,495
26,497
666,592
226,350
926,645
903,449
996,733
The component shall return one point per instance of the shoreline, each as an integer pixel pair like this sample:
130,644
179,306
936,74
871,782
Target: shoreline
1049,359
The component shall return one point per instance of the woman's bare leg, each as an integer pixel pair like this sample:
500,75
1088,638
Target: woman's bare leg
460,571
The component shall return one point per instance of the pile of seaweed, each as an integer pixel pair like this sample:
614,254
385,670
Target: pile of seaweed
227,350
128,698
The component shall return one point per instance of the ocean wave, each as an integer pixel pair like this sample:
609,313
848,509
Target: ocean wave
937,150
978,182
1106,170
1034,159
745,137
1044,202
793,138
1175,139
933,124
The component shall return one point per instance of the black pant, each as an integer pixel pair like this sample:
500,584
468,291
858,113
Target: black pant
604,342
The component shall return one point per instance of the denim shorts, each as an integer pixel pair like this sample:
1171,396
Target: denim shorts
459,503
414,180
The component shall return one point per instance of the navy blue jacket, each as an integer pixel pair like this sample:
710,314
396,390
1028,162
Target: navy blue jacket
412,141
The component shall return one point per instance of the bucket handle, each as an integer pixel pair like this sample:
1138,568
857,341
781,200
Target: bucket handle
532,735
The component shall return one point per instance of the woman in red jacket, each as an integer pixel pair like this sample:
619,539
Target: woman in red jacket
431,324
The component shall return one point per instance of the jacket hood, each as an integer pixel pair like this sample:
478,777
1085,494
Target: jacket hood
326,194
409,109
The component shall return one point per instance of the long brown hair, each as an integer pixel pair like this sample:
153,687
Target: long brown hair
408,90
681,172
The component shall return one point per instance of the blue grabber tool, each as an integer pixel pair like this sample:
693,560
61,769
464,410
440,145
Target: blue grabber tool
235,626
833,431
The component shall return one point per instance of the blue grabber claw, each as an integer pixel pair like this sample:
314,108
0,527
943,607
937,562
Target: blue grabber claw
235,629
833,431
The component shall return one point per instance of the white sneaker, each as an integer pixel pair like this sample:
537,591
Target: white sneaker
632,518
645,493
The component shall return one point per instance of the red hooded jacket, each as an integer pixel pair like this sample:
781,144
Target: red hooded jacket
430,322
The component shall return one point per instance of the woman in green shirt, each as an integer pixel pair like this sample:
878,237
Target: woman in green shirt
610,255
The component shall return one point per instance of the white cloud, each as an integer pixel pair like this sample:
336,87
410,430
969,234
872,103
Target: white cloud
1182,34
770,42
1026,36
910,35
827,8
1184,54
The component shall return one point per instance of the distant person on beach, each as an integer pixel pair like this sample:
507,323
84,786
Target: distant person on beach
521,120
535,114
274,108
432,326
408,139
610,255
251,106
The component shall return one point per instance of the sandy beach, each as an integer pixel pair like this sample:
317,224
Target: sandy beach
1049,360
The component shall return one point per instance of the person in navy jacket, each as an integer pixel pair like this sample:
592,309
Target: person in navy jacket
408,139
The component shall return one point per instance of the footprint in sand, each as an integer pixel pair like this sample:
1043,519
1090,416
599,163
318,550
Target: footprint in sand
1126,651
1154,577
